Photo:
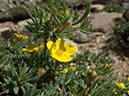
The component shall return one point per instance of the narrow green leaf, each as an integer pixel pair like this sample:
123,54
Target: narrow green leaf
23,89
46,8
84,31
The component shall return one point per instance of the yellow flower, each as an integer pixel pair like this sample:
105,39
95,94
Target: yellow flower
119,27
111,9
104,64
33,48
115,92
120,85
60,51
127,78
20,37
64,71
73,68
128,92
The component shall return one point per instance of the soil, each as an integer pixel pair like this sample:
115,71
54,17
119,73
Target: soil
120,56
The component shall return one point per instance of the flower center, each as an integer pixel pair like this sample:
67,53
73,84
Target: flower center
59,52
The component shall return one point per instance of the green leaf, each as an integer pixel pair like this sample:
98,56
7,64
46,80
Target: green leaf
23,89
23,70
16,90
46,8
70,36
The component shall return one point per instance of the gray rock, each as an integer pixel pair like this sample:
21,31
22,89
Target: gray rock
81,37
125,5
103,21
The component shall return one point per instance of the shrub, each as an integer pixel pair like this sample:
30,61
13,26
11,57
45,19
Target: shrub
121,34
45,66
112,8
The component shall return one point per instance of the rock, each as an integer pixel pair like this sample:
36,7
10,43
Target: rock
97,40
96,7
81,37
8,24
126,15
5,32
79,4
108,1
3,5
125,5
103,21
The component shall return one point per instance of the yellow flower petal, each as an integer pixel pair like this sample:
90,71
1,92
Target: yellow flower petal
114,90
71,49
60,44
120,85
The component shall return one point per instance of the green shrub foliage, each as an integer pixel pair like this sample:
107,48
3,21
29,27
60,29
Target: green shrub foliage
40,72
121,34
112,8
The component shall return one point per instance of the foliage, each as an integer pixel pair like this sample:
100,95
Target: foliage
112,8
121,34
44,70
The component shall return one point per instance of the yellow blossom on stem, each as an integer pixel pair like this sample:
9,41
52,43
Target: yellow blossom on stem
120,85
60,51
127,78
20,37
33,48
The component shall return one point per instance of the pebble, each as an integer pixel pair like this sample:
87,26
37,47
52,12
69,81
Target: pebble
79,38
97,40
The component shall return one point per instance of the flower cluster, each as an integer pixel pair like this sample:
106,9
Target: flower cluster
122,86
59,51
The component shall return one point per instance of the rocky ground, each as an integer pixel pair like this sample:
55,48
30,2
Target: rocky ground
96,42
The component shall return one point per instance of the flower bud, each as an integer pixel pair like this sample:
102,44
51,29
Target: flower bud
41,71
91,74
94,74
